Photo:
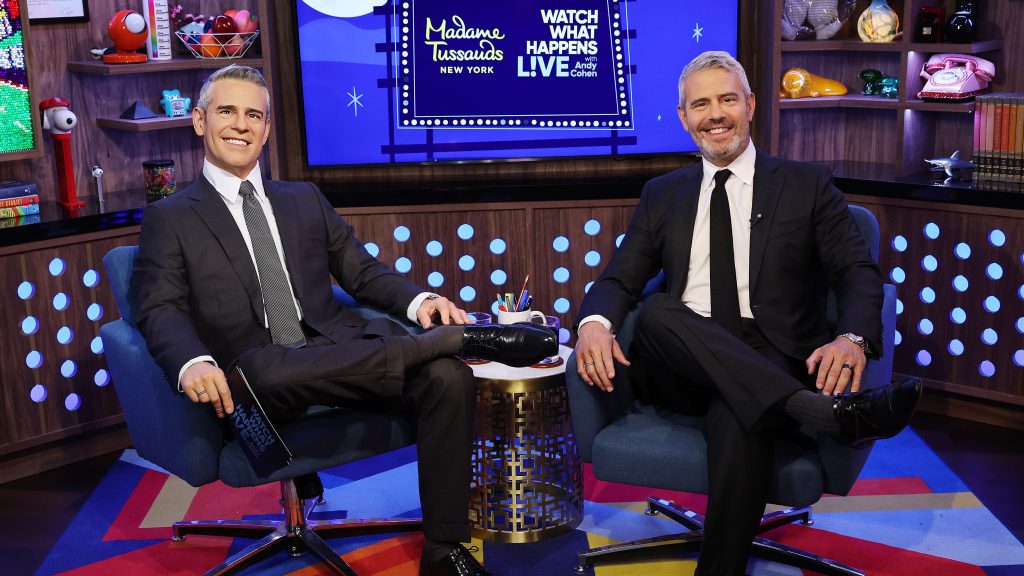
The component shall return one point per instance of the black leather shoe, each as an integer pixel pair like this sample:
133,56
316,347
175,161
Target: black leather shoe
519,344
458,562
876,413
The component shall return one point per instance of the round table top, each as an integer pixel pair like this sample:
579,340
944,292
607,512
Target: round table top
510,379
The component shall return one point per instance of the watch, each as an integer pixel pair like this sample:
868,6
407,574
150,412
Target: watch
858,340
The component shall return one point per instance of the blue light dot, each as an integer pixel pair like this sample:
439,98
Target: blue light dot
960,283
986,368
60,301
465,231
434,248
989,336
618,240
497,246
96,345
927,295
65,335
562,305
560,244
467,263
26,290
994,271
403,265
72,402
592,258
435,279
101,378
29,325
1020,291
929,263
467,293
402,233
592,227
897,338
34,359
1018,357
898,275
996,237
561,275
923,358
91,278
587,287
925,327
564,335
899,243
957,315
57,267
494,308
498,277
931,230
1020,324
992,304
94,312
962,251
38,393
899,306
372,249
68,368
956,347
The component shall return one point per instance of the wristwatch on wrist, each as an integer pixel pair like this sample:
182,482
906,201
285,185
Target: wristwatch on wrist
858,340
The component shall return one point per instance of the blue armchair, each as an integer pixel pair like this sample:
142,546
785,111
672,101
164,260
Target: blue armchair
639,444
189,441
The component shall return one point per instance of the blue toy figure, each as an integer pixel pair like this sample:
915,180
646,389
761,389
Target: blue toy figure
175,104
890,87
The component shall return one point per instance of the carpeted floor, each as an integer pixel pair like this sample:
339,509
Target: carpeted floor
909,515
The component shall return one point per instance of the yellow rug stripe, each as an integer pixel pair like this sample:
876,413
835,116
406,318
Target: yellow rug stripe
170,504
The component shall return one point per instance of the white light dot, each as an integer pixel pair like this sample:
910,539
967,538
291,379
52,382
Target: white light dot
34,359
962,251
72,402
592,258
91,278
497,246
925,327
992,304
994,271
956,347
986,368
989,336
403,265
498,277
60,301
57,267
65,335
96,345
465,231
68,368
402,233
899,243
29,325
929,263
466,263
372,249
561,275
435,279
931,230
434,248
923,357
560,244
101,378
997,238
26,290
467,294
561,305
592,227
38,393
94,312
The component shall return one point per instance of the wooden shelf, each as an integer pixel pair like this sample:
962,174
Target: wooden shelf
845,101
177,63
146,125
915,104
858,46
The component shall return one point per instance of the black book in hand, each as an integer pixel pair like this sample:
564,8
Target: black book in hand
260,441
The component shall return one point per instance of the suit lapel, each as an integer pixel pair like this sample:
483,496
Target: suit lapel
684,214
287,215
209,206
767,191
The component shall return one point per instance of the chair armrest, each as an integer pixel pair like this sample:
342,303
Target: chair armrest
345,300
166,427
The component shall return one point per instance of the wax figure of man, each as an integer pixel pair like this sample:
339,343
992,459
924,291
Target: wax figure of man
750,245
236,269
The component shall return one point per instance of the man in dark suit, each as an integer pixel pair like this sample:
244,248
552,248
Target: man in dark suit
235,270
749,245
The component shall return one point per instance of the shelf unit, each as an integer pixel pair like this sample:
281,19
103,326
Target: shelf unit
893,135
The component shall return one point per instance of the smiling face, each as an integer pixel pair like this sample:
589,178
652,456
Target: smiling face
235,125
717,114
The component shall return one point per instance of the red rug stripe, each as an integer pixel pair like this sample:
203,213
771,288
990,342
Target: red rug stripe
222,502
387,554
890,486
596,490
126,525
194,556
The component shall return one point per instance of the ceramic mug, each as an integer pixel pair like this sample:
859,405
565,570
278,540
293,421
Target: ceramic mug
524,316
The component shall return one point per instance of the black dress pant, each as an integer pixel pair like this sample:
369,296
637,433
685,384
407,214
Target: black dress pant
690,364
369,373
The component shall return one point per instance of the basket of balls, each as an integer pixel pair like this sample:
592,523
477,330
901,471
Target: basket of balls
228,35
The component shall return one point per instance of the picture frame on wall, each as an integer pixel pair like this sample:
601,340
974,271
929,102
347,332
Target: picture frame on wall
19,122
58,11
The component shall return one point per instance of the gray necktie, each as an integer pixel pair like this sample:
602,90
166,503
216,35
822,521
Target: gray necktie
277,298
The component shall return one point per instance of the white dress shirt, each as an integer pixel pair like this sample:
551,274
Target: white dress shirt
740,190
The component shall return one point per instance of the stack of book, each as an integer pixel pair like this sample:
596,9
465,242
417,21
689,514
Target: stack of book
999,141
18,199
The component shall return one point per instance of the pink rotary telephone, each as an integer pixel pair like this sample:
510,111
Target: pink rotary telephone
953,77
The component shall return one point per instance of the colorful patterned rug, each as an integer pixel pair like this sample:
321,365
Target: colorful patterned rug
908,515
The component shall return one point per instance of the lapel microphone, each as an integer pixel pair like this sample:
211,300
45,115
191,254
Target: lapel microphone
755,219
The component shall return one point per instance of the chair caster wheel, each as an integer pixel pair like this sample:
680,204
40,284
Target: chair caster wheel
177,538
582,569
651,512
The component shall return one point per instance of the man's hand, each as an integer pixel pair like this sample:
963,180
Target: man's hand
838,363
204,382
440,311
596,349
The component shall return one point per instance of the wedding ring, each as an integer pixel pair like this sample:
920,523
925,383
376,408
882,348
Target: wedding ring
201,392
848,365
589,364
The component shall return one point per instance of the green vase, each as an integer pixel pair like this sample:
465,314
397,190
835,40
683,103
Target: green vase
878,23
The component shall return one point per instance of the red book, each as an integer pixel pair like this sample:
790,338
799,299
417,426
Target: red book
19,201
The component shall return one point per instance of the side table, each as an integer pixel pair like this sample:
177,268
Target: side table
527,474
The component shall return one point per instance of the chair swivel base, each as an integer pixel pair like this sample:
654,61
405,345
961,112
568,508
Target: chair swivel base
295,533
690,542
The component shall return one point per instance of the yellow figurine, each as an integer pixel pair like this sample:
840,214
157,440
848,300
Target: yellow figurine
799,83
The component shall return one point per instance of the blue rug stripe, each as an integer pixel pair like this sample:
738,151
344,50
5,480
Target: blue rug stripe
619,524
556,555
388,493
906,455
365,468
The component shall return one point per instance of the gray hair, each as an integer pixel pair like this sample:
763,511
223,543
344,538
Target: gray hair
233,72
714,59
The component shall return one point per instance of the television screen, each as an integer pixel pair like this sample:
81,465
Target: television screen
455,80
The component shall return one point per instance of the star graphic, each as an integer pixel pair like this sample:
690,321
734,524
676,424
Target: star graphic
354,102
697,31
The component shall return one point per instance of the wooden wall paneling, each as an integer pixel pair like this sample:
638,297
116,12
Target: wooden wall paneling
917,135
845,69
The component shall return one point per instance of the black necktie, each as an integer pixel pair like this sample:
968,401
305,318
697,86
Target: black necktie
725,298
277,297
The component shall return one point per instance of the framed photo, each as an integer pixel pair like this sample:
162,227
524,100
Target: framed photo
58,11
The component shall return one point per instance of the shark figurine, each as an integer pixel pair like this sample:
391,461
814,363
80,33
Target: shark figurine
951,164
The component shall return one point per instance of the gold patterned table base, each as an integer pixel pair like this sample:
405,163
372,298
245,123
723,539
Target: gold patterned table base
527,474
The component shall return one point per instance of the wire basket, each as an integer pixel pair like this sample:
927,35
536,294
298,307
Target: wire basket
219,45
